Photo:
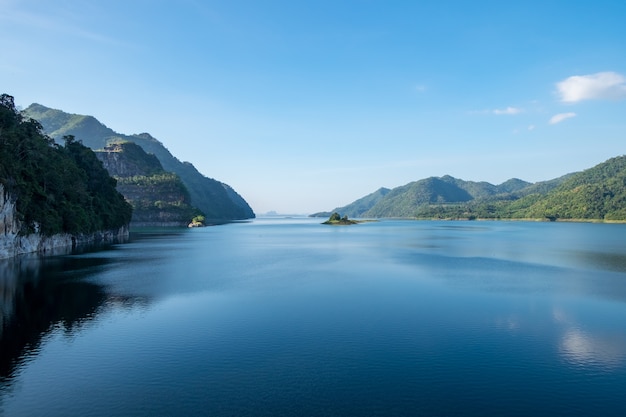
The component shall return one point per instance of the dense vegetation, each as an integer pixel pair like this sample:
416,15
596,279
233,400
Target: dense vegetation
335,219
215,199
57,188
598,193
157,196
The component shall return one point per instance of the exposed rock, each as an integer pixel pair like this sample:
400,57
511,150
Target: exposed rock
12,243
159,198
127,159
219,202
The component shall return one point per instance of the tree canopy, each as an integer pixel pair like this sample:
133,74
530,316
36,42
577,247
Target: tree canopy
57,188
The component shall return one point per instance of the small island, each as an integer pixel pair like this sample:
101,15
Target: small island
336,220
198,221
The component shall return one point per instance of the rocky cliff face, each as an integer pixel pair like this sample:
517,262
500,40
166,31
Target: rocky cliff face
218,201
9,225
12,243
159,198
126,159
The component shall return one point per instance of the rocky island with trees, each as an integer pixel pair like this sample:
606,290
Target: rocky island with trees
335,219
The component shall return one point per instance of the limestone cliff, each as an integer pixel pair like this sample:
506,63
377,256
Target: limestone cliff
218,201
13,242
159,198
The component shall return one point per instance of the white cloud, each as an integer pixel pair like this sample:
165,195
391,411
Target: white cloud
508,110
558,118
602,85
531,127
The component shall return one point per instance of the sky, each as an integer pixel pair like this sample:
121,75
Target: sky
304,106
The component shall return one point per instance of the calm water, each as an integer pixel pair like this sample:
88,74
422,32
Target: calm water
289,317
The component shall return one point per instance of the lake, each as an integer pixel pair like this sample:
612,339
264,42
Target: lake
287,317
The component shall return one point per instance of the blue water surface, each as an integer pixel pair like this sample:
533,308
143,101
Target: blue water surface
287,317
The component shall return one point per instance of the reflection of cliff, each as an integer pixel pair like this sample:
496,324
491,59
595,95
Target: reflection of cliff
7,293
34,300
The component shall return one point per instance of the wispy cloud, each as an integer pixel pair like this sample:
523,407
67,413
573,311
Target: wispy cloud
599,86
499,112
508,110
63,22
558,118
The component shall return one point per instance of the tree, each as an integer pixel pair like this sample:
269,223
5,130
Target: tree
57,189
335,217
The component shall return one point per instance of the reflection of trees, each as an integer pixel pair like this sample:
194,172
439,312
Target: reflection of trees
38,294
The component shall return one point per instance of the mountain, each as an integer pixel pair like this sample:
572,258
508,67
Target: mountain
598,193
218,201
358,207
158,198
51,195
402,201
484,189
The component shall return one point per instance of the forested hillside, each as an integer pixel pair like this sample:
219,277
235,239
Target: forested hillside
598,193
360,206
159,198
217,200
58,188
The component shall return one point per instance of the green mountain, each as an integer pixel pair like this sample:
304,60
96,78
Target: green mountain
158,197
402,201
407,200
217,200
484,189
598,193
56,189
358,207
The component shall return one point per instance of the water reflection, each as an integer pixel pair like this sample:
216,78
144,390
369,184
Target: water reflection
581,348
601,260
266,318
41,294
597,348
581,344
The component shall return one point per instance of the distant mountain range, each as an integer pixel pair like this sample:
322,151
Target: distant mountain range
598,193
218,201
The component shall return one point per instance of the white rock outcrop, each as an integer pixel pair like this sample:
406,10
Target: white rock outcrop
13,244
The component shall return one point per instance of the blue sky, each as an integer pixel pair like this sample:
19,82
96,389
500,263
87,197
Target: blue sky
303,106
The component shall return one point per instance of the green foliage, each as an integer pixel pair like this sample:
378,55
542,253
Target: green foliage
336,219
158,198
198,219
360,206
598,193
403,201
136,160
217,200
58,188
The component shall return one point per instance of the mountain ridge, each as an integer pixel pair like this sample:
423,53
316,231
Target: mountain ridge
597,193
52,195
219,201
